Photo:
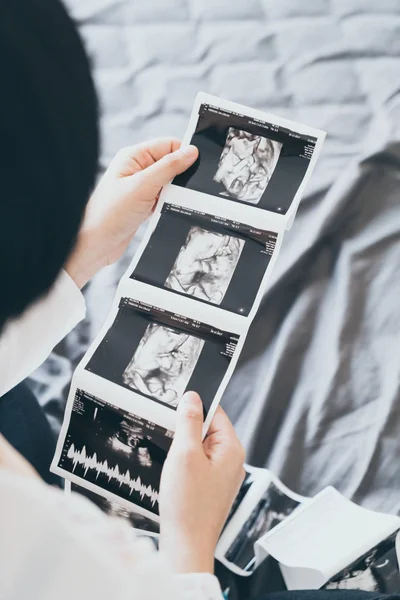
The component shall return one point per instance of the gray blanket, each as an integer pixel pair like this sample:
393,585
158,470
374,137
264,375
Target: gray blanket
316,394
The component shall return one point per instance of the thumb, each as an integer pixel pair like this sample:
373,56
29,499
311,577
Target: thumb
164,170
189,421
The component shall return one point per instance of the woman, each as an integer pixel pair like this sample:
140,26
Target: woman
51,546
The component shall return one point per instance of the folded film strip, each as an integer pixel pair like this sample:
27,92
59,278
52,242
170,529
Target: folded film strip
183,308
263,502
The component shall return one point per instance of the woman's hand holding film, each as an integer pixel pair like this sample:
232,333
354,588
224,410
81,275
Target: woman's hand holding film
199,483
124,198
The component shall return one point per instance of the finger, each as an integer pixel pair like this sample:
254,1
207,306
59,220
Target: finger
159,147
221,424
131,159
164,170
222,438
189,422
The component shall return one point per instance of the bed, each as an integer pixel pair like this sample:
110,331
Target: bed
316,394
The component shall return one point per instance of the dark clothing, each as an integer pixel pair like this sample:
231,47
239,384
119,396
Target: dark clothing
24,425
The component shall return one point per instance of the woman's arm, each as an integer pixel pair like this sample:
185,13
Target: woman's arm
123,199
58,546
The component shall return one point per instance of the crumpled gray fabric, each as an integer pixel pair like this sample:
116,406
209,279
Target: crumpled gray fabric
316,397
316,394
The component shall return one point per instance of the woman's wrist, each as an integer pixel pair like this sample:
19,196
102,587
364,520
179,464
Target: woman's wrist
83,262
187,556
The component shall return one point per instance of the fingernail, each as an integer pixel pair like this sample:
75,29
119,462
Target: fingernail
190,151
191,398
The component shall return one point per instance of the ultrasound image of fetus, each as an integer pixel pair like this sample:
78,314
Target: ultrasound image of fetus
163,363
246,165
205,265
129,440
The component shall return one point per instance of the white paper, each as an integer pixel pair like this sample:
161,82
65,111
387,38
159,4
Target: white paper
323,537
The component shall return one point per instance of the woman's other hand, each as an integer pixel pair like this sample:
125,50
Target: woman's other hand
199,483
123,199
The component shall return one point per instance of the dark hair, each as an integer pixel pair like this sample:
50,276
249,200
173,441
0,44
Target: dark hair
48,146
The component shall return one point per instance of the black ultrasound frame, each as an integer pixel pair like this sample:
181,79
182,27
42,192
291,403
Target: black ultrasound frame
119,345
169,236
210,137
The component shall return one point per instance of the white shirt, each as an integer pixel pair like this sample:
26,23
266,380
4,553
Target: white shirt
54,547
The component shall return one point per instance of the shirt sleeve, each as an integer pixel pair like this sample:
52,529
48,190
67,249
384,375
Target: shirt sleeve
199,586
27,341
65,547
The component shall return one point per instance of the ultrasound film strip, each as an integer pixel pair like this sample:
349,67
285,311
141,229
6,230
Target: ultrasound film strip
182,310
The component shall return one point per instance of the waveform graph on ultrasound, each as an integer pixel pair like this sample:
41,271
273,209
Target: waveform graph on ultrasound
116,450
